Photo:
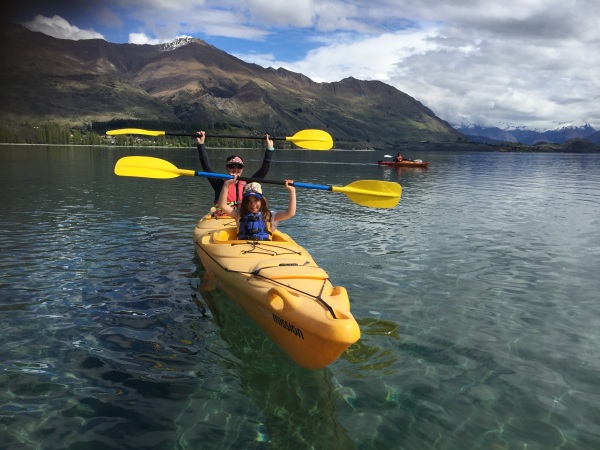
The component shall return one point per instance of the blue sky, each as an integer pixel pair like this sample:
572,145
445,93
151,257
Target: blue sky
526,63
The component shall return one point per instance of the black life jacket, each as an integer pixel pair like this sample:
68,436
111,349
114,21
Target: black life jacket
254,228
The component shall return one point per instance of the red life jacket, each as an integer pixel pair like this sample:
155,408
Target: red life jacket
234,197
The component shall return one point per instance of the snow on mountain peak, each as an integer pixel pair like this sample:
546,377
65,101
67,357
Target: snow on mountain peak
180,41
575,125
509,127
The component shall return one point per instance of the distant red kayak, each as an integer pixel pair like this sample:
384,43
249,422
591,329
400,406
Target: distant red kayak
417,163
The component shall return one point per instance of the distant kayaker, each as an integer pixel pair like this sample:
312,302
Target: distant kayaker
254,219
234,165
400,158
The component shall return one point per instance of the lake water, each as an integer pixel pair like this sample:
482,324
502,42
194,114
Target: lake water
477,296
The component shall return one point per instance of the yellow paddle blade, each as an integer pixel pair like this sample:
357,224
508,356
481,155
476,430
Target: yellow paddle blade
135,131
312,139
148,167
372,193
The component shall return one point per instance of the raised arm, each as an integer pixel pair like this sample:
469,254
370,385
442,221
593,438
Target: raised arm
266,164
202,155
291,209
216,183
223,205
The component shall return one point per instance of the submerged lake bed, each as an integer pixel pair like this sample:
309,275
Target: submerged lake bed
477,298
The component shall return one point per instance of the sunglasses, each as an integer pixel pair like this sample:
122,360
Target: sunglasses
234,166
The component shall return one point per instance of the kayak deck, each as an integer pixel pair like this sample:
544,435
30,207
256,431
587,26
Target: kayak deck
279,286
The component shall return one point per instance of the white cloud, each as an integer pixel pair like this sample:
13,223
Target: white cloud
58,27
142,39
514,62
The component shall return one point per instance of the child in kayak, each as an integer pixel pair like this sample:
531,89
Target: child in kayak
254,219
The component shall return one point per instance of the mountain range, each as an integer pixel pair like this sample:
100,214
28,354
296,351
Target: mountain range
49,79
560,135
188,81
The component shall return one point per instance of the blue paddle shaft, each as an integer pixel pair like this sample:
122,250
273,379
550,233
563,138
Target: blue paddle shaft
298,184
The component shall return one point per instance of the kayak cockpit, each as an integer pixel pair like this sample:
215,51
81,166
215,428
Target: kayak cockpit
229,236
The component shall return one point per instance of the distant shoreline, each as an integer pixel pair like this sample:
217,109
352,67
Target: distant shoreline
184,148
412,148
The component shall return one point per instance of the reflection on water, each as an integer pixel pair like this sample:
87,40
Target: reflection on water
366,356
477,298
290,406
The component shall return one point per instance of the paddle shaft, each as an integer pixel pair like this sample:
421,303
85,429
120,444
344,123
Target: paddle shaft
348,190
299,184
225,136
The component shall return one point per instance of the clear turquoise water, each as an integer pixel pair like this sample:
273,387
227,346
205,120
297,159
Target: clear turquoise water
477,296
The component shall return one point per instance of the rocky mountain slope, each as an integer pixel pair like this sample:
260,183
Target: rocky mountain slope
48,79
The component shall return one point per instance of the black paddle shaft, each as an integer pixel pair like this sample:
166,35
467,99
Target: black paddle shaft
224,136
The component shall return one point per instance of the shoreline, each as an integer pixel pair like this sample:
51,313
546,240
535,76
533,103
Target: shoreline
429,147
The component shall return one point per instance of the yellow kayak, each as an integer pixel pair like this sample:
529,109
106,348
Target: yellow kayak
279,286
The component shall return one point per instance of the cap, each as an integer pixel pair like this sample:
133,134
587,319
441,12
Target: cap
253,189
234,160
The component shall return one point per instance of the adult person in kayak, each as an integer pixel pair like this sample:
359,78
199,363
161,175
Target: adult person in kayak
254,219
234,165
399,158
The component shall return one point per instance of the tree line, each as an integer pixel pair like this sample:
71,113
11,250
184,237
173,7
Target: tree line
48,133
94,133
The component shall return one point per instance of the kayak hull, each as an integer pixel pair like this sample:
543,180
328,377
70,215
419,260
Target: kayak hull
282,289
403,163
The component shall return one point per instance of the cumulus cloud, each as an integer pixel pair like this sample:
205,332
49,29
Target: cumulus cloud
142,39
520,63
58,27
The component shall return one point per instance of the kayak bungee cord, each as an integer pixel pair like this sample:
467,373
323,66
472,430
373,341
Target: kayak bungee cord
257,273
272,252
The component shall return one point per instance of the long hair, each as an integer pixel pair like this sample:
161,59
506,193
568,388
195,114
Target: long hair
264,208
